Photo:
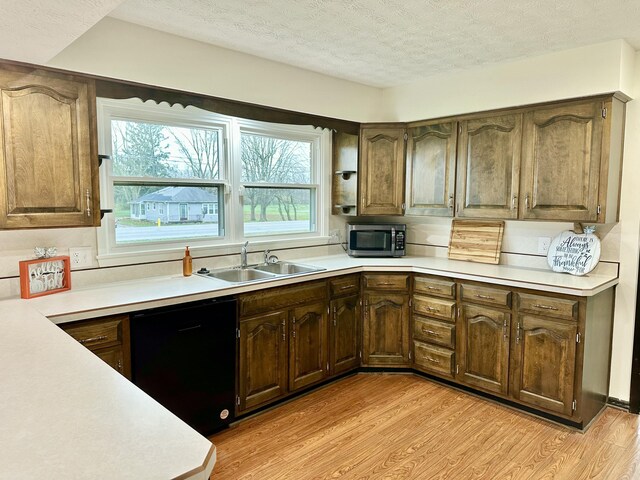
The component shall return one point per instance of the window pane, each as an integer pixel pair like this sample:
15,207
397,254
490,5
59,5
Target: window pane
273,211
152,150
151,214
275,160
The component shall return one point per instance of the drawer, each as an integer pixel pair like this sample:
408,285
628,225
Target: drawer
97,333
433,359
433,286
387,282
282,297
485,295
435,307
346,285
549,306
433,331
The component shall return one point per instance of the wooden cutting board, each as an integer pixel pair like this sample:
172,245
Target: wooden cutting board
476,240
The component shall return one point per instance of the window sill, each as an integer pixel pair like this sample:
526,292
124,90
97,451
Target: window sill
176,253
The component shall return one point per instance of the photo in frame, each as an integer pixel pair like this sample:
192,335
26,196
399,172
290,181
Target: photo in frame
44,276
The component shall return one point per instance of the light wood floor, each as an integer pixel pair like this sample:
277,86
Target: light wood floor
374,426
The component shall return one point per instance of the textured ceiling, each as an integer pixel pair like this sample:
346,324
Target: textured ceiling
37,30
390,42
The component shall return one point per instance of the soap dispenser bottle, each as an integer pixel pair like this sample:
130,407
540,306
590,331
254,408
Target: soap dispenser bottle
187,263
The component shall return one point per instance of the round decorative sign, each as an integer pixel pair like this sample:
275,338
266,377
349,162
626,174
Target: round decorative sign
574,253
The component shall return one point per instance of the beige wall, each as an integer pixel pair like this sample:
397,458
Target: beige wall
117,49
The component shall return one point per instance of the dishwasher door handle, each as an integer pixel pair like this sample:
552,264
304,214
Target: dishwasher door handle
186,329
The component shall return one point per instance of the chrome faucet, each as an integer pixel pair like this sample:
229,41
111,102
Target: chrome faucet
243,255
266,255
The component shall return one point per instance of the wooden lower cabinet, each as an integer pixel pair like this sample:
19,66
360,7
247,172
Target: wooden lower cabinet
544,361
483,348
263,356
345,322
386,329
283,342
107,337
308,345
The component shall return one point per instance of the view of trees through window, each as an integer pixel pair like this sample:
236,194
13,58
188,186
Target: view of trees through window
151,206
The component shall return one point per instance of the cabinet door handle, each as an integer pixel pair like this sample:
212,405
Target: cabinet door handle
526,201
88,196
518,333
545,307
119,366
282,328
485,297
504,330
514,202
450,204
335,316
93,339
430,332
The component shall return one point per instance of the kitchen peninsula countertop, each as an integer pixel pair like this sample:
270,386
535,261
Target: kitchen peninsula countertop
69,415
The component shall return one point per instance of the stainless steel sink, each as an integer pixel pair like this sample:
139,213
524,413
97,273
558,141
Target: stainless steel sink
287,268
255,273
239,275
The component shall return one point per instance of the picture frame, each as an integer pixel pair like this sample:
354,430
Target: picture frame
44,276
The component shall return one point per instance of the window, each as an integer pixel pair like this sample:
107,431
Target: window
181,175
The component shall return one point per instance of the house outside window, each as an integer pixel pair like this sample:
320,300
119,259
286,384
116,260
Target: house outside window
185,175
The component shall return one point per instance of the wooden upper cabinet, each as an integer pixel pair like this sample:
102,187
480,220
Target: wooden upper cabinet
571,161
489,166
48,152
431,163
381,175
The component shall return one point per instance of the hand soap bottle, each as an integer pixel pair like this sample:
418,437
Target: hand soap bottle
187,263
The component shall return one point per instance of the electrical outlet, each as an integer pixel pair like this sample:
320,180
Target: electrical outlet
543,245
334,236
80,257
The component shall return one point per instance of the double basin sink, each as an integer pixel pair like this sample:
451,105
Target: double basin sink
254,273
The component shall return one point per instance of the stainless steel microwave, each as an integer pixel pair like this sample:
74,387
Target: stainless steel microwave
376,240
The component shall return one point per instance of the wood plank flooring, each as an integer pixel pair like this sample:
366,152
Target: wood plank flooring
375,426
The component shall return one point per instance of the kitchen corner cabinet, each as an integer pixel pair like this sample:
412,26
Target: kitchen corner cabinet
282,342
344,324
386,320
48,150
381,172
571,161
489,166
431,166
107,337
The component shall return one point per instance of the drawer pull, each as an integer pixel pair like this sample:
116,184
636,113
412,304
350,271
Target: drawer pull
430,332
485,297
432,360
545,307
93,339
345,287
432,309
435,289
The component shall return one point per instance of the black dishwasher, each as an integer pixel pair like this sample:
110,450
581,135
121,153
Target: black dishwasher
184,357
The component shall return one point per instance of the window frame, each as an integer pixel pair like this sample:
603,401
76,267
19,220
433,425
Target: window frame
230,185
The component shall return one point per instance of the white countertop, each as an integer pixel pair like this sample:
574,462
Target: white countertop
119,297
66,414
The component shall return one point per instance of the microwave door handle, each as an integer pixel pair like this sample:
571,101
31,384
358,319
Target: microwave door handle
393,241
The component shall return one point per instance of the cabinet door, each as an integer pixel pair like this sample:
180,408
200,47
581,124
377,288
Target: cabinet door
483,348
345,334
48,157
544,358
381,176
386,329
562,148
308,345
431,163
489,167
114,357
262,370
